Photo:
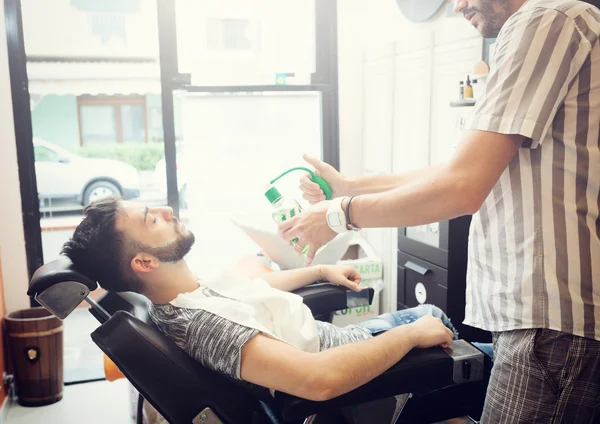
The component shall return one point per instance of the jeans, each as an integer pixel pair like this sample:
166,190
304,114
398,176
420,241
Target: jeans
406,316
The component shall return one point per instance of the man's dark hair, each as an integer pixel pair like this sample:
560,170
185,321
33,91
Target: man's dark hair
100,251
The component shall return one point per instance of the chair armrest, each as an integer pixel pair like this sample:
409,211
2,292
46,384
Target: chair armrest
421,370
322,298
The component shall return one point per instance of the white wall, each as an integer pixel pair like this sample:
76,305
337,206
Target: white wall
12,241
364,24
372,26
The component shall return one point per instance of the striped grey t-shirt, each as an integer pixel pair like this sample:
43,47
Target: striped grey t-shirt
534,246
217,342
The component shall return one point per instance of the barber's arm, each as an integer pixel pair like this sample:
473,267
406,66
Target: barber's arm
343,186
453,189
333,372
293,279
458,188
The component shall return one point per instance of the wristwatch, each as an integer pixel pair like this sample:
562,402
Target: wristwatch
336,217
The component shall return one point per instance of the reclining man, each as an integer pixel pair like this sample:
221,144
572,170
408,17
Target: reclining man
251,330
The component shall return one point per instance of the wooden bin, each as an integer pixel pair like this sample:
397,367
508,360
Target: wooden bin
35,339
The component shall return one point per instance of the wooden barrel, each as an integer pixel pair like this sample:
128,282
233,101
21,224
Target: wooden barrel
35,339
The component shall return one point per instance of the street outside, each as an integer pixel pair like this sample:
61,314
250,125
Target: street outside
152,194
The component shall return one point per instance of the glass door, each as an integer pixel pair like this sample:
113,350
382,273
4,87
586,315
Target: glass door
95,102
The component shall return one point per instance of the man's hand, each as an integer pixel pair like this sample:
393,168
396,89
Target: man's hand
336,181
310,228
429,331
342,275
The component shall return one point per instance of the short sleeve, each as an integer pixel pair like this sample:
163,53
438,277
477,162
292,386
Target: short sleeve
217,342
539,52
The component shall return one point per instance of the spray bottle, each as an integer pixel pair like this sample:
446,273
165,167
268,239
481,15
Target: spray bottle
288,208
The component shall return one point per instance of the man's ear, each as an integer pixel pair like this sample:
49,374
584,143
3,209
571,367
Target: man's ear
144,263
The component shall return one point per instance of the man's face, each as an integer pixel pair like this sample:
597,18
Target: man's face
156,231
488,16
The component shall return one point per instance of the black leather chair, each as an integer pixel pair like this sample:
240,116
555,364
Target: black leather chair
183,391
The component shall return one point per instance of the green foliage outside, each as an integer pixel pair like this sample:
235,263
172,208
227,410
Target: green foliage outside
141,156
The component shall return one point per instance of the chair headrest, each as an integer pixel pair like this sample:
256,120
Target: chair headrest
59,287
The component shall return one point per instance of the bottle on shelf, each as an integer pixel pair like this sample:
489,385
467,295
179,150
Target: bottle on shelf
468,92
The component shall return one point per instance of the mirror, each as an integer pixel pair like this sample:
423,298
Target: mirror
419,10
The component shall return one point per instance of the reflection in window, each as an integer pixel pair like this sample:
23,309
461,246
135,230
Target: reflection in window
107,18
230,34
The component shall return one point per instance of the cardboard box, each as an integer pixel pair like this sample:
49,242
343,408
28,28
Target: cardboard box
364,259
361,313
370,266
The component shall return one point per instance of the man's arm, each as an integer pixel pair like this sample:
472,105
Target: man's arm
333,372
456,188
369,184
293,279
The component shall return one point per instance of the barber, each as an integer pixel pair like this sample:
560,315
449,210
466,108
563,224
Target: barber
528,170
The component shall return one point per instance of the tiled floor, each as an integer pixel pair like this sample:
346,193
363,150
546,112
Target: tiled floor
90,403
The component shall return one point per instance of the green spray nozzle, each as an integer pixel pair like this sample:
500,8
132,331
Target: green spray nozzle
313,177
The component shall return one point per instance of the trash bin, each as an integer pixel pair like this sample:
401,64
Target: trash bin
35,339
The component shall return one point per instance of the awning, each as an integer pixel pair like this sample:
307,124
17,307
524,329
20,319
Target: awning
93,78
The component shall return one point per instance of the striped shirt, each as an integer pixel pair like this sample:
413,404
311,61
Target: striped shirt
534,246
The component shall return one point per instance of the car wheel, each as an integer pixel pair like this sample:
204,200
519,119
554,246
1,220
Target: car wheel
100,190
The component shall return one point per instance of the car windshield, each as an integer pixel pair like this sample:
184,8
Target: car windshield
44,148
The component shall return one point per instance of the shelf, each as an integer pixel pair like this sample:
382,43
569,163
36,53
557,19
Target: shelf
463,103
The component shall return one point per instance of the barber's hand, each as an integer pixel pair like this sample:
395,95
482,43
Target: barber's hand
310,228
429,331
342,275
336,181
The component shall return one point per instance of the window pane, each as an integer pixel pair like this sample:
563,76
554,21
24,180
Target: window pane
92,68
235,145
98,124
133,123
241,42
43,154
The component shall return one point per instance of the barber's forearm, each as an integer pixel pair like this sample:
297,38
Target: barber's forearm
434,197
379,183
346,367
293,279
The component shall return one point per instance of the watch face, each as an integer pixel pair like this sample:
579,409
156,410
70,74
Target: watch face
334,220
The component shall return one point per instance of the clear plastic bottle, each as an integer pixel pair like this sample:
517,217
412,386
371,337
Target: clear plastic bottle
284,209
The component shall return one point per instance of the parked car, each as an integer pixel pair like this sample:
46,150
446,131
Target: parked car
63,175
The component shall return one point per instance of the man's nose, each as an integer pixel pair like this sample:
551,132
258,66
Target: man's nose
166,212
459,5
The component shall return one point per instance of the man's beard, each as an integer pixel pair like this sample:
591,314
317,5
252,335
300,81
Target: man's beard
491,19
175,250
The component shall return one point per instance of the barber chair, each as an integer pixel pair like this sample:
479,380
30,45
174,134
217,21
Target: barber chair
442,383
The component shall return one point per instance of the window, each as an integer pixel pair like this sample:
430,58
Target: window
43,154
107,18
231,34
109,120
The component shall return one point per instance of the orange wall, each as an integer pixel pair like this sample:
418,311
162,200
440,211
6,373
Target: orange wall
2,313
